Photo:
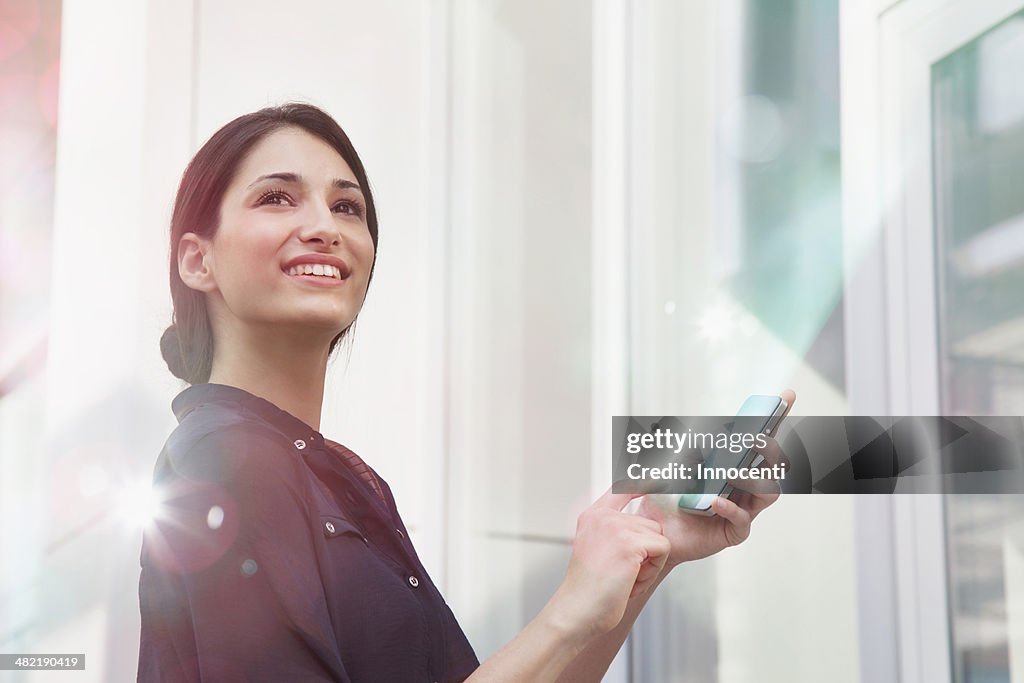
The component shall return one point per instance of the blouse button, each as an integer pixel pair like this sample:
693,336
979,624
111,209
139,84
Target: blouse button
300,444
330,527
413,581
400,533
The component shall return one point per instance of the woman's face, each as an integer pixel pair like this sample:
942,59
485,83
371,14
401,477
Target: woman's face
312,215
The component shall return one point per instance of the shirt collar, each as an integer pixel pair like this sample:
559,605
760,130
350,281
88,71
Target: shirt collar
198,394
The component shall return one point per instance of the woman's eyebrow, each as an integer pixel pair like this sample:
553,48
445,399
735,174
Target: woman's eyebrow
289,177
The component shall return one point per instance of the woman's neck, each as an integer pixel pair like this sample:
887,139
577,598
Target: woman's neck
291,376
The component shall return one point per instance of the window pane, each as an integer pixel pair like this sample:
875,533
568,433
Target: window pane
978,111
978,115
736,288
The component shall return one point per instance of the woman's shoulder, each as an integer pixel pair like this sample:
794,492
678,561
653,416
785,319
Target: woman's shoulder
215,442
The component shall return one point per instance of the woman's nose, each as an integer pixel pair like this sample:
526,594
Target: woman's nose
321,224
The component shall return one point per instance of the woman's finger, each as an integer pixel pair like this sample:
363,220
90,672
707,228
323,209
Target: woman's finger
771,451
738,518
770,455
657,548
754,503
761,486
789,396
741,498
615,501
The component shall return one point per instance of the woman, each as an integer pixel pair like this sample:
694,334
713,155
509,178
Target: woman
279,554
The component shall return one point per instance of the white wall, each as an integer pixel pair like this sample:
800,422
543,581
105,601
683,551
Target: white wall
369,65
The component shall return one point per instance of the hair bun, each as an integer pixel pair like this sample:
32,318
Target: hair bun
170,348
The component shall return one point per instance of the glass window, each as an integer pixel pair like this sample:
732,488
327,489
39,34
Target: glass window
978,148
736,288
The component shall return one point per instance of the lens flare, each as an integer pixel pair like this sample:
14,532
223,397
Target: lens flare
138,505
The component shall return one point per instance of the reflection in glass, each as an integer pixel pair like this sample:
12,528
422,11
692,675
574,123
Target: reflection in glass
978,115
978,129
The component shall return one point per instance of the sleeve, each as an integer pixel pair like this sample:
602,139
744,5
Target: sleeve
232,535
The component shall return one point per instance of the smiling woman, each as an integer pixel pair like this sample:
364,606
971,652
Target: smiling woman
227,196
278,554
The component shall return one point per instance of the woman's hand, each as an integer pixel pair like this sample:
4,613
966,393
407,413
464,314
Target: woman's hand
694,536
615,555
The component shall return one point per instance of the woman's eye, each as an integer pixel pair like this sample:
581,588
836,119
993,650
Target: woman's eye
271,195
353,208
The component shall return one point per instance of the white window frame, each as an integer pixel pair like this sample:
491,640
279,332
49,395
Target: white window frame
887,49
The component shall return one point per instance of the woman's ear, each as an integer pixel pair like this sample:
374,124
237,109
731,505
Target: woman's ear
192,263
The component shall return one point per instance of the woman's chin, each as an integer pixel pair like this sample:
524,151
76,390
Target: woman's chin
316,325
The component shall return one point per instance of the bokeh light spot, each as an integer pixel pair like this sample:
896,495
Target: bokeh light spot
215,517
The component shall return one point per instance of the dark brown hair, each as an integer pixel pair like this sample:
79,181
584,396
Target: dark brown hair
187,345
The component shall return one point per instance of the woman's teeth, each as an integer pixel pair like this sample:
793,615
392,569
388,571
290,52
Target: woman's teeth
315,269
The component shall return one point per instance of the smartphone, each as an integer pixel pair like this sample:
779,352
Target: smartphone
758,414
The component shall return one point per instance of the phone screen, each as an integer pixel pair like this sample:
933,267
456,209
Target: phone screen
757,414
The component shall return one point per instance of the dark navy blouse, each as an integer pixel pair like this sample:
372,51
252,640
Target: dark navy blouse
278,555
